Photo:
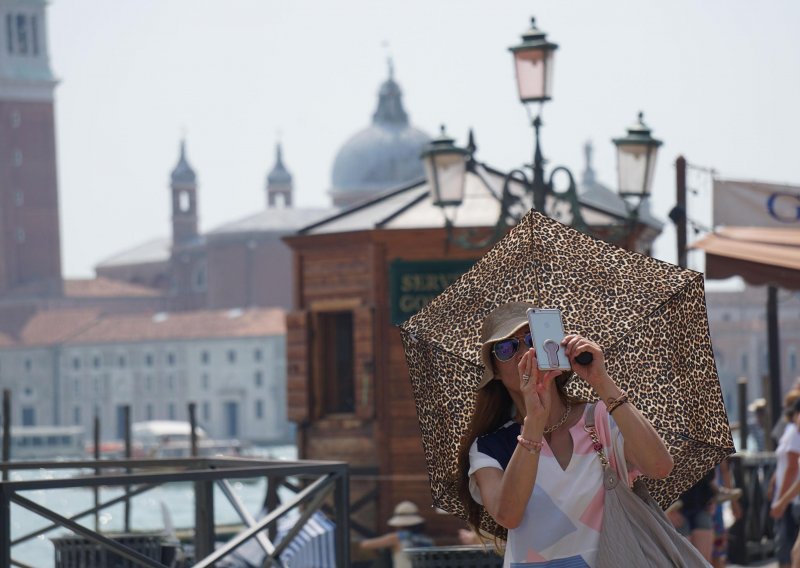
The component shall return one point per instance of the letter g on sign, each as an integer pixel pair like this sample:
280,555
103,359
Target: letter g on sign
784,207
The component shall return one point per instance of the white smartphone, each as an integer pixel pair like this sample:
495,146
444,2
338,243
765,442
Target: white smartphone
547,331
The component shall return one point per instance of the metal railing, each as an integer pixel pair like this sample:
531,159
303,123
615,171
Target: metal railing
751,537
315,482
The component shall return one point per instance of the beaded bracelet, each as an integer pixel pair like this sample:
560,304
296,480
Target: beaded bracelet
530,445
614,403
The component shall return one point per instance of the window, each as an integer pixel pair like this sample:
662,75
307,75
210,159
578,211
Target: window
16,119
205,357
184,201
28,391
77,388
19,199
171,382
206,411
170,358
171,411
22,33
121,361
20,235
744,362
148,360
17,158
148,412
96,362
122,420
231,356
259,409
28,365
336,354
76,363
28,416
34,36
205,381
10,33
76,415
259,378
148,383
258,355
792,360
199,278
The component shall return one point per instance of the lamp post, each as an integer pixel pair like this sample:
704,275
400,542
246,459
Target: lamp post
447,165
636,163
533,62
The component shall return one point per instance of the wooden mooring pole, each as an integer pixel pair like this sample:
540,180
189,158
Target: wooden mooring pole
6,432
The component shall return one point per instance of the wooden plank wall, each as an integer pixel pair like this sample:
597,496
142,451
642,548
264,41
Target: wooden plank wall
352,270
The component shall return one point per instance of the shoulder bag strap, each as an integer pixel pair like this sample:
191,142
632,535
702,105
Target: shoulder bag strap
610,477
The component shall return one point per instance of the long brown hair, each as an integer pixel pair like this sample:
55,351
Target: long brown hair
493,406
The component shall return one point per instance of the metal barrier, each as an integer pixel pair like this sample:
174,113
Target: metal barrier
751,537
317,481
472,556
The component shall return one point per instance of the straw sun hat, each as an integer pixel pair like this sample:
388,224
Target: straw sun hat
405,514
501,323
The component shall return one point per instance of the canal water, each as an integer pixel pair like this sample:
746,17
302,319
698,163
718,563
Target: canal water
146,511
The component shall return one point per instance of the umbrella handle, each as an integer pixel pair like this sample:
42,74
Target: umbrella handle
584,358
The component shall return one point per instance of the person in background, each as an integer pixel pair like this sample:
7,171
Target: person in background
757,423
784,484
725,491
409,533
694,520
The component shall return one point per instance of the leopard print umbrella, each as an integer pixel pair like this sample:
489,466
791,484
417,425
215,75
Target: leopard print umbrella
648,316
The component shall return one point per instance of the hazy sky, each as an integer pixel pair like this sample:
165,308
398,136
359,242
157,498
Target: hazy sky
718,80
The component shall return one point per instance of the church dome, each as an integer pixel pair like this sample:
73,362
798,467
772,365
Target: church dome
386,154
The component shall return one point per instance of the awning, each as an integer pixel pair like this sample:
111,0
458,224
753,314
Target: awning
759,255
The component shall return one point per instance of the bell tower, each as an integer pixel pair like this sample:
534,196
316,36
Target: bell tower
183,184
279,183
30,244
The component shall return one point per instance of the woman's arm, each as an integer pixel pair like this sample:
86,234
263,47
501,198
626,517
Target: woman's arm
388,540
790,488
644,448
505,493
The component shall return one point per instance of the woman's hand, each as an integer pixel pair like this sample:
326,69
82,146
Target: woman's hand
595,372
536,391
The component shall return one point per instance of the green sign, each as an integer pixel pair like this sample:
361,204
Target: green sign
413,284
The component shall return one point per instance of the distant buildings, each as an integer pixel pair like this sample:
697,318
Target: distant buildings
739,335
69,365
196,317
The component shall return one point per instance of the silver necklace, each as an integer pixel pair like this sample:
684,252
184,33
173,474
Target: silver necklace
555,427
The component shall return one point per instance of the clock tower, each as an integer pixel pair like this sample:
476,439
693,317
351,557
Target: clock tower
30,246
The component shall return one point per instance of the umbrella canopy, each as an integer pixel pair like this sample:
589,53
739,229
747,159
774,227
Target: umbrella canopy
648,316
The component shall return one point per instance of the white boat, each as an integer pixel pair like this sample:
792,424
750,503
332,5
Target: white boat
173,439
46,442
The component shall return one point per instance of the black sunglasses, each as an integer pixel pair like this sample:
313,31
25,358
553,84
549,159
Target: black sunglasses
505,349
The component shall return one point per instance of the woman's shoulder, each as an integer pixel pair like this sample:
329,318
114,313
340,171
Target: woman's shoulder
498,445
510,428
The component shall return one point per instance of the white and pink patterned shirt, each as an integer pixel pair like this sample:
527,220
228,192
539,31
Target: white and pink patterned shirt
562,521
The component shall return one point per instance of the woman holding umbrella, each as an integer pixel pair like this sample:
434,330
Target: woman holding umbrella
527,457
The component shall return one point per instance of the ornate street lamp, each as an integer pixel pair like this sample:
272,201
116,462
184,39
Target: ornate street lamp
636,161
533,61
446,168
636,164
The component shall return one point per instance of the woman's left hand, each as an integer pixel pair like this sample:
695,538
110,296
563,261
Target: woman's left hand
595,372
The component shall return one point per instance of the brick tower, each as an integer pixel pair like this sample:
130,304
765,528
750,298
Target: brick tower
30,245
